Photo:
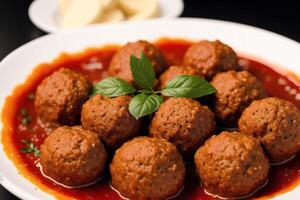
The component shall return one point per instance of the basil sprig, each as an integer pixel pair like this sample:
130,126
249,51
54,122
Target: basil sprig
146,100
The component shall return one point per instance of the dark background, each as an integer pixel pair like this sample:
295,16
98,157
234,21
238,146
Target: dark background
282,17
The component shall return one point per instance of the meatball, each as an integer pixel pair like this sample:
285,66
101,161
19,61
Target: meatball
177,70
120,66
184,122
276,123
147,168
60,96
110,118
231,165
73,156
235,92
211,58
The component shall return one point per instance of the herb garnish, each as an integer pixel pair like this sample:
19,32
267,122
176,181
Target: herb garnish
26,117
113,87
147,100
188,86
23,112
144,104
31,96
142,72
26,120
30,148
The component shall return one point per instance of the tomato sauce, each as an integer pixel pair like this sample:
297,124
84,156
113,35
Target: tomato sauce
93,63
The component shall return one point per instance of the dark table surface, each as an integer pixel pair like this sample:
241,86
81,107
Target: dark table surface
282,17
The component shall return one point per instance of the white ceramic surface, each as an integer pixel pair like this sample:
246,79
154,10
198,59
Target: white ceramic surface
44,13
267,47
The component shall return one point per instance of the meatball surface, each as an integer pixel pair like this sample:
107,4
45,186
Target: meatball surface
60,96
211,57
120,65
147,168
276,123
235,92
231,164
177,70
184,122
110,119
73,156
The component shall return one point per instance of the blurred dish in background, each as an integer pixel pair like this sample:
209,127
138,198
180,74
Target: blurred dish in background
59,15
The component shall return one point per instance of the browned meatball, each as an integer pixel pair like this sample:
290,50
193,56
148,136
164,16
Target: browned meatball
184,122
211,57
276,123
231,165
60,96
120,66
147,168
73,156
110,118
177,70
235,91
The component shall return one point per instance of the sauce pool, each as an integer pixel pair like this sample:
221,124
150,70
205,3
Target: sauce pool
93,63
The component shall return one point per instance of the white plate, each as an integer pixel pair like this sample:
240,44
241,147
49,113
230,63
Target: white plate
268,47
44,13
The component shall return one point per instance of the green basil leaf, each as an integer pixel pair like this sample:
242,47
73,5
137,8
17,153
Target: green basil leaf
144,104
142,71
188,86
145,91
112,87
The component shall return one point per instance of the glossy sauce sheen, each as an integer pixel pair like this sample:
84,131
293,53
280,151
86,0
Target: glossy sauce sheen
93,63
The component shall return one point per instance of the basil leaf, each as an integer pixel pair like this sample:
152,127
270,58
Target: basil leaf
112,87
144,104
188,86
142,71
145,91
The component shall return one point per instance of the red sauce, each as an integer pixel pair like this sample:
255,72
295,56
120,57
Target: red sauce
93,63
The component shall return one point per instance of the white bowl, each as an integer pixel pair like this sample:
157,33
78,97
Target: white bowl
44,13
267,47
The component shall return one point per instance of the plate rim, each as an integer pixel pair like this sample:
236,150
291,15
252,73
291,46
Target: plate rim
11,186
